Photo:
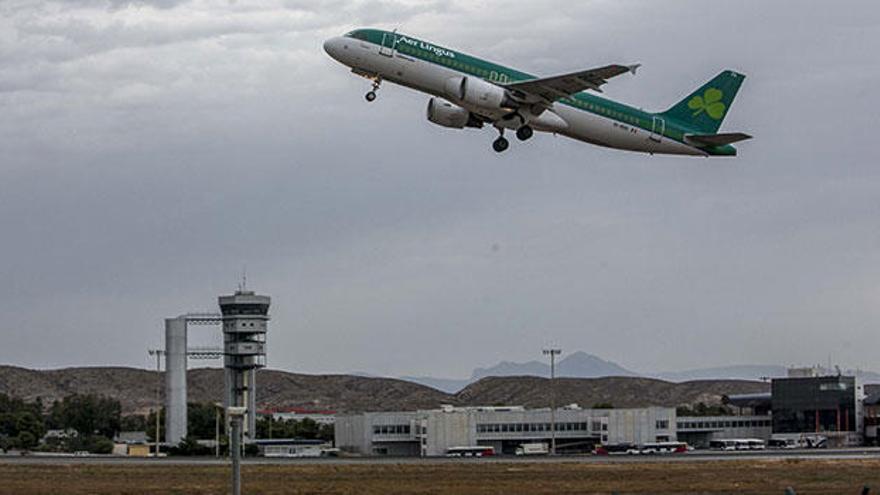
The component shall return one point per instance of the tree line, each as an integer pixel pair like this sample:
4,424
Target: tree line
204,418
88,422
83,422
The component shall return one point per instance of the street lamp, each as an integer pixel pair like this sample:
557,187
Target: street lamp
158,353
236,416
552,353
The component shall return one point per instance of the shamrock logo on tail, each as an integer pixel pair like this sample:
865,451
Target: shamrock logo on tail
710,103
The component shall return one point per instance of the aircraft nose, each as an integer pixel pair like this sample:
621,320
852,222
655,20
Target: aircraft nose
331,46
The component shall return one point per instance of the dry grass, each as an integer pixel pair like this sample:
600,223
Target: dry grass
747,477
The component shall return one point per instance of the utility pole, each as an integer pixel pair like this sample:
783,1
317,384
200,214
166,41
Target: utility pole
158,353
217,407
552,353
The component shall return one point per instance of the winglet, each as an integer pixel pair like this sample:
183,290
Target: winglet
633,68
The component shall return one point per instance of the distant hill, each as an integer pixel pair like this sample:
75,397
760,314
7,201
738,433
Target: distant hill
448,385
136,389
751,372
531,391
578,365
740,372
582,365
575,365
509,368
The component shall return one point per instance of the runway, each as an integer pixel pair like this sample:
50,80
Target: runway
694,456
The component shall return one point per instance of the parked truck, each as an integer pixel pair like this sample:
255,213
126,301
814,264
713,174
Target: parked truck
532,449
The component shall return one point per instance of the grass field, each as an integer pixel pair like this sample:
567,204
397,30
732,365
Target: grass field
806,476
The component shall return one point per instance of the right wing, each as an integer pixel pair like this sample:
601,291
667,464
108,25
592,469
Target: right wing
553,88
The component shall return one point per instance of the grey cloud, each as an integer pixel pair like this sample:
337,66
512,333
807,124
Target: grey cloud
112,5
147,154
159,4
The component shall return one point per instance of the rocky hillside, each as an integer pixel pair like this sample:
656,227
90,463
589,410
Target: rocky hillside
532,391
136,389
337,392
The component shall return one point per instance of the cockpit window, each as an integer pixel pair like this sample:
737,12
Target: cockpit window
358,34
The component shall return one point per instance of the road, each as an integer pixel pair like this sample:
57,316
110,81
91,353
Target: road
696,456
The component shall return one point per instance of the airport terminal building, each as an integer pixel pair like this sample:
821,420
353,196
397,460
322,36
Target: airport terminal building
807,408
432,432
700,431
830,406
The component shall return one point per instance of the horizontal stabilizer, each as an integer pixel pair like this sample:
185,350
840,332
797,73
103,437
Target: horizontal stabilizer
716,139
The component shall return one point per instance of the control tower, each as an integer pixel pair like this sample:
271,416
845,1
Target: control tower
245,318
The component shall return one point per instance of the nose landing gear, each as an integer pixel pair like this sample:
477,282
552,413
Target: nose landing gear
371,95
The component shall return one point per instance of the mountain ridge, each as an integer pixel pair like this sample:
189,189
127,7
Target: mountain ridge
136,389
577,365
583,365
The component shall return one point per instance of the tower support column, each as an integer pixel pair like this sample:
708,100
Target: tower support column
175,380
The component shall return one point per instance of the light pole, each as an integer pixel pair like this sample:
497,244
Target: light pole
552,353
158,353
217,407
236,416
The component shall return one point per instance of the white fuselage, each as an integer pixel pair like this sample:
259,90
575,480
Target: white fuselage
372,60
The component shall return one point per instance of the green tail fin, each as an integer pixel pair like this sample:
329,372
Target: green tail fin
705,108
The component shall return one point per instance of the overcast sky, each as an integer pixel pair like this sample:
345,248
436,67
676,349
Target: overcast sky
149,150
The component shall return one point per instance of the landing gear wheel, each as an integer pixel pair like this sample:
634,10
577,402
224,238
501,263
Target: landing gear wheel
500,144
525,132
371,95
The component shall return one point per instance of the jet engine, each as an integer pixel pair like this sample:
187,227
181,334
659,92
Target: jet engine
442,112
477,92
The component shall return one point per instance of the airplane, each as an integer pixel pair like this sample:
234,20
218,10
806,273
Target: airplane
467,91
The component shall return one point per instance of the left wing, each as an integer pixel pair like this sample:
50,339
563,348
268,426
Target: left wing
553,88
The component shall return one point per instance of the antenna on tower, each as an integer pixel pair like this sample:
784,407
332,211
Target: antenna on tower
242,286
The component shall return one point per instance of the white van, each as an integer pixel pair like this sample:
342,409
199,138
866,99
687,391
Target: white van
532,449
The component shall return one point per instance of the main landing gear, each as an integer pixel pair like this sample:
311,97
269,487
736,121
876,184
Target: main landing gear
524,133
500,144
371,94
